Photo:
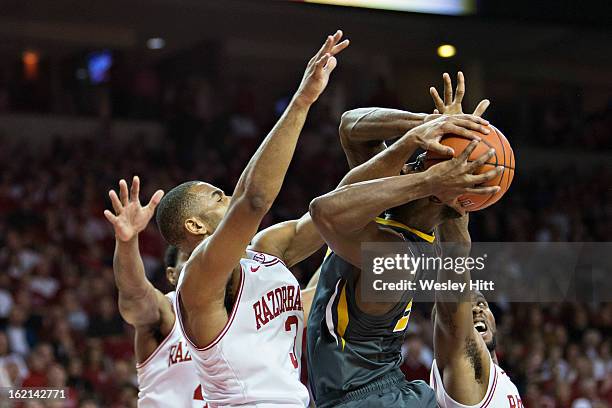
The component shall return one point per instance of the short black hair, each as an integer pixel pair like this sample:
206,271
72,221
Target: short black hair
172,211
171,256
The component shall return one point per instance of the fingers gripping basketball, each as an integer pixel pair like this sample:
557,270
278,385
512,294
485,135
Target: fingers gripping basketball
503,158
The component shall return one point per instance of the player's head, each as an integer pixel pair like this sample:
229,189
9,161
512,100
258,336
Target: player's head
190,212
484,321
428,207
174,260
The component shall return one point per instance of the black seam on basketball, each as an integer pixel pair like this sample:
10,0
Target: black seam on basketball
503,170
502,145
493,194
464,138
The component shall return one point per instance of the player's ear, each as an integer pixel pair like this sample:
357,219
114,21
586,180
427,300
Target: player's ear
195,226
170,275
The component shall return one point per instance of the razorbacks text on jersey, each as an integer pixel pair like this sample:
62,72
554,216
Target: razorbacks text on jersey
255,360
347,348
501,392
168,377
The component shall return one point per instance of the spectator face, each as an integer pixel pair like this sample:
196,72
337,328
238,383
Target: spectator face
17,317
12,369
107,308
129,396
45,351
75,368
4,347
36,363
122,372
56,376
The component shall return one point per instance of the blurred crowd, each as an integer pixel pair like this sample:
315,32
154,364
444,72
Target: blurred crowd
59,324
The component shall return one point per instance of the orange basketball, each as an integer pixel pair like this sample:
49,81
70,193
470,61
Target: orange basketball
504,157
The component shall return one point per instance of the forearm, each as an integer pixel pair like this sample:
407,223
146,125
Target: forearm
352,207
138,302
373,125
454,308
129,269
386,163
263,177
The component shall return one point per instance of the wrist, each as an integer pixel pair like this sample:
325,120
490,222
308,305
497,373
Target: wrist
301,101
411,120
430,182
417,185
126,243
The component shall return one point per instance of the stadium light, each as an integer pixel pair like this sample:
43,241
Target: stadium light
30,61
156,43
446,51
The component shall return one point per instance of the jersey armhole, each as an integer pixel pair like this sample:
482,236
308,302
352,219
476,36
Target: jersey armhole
164,341
436,382
227,325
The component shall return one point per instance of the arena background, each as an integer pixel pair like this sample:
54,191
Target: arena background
91,92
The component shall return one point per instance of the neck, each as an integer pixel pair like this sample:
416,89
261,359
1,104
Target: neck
191,244
425,220
494,357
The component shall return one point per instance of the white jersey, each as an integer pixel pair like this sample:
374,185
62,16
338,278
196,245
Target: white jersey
501,392
255,360
168,377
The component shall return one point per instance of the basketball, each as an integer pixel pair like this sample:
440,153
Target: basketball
504,157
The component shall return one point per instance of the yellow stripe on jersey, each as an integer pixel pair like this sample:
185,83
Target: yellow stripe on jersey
343,317
402,323
427,237
327,253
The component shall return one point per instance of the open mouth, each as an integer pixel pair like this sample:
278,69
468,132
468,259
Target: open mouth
480,327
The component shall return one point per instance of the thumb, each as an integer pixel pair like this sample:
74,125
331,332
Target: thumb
110,217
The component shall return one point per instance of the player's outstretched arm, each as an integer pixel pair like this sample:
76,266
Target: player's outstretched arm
140,304
363,131
461,356
345,216
257,188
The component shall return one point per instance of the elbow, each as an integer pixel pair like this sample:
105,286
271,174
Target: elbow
252,196
322,214
256,201
344,129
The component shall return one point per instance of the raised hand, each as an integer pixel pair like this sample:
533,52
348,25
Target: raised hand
455,177
429,134
319,68
452,105
130,216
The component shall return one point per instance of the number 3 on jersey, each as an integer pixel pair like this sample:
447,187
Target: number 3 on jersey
198,396
402,323
292,320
